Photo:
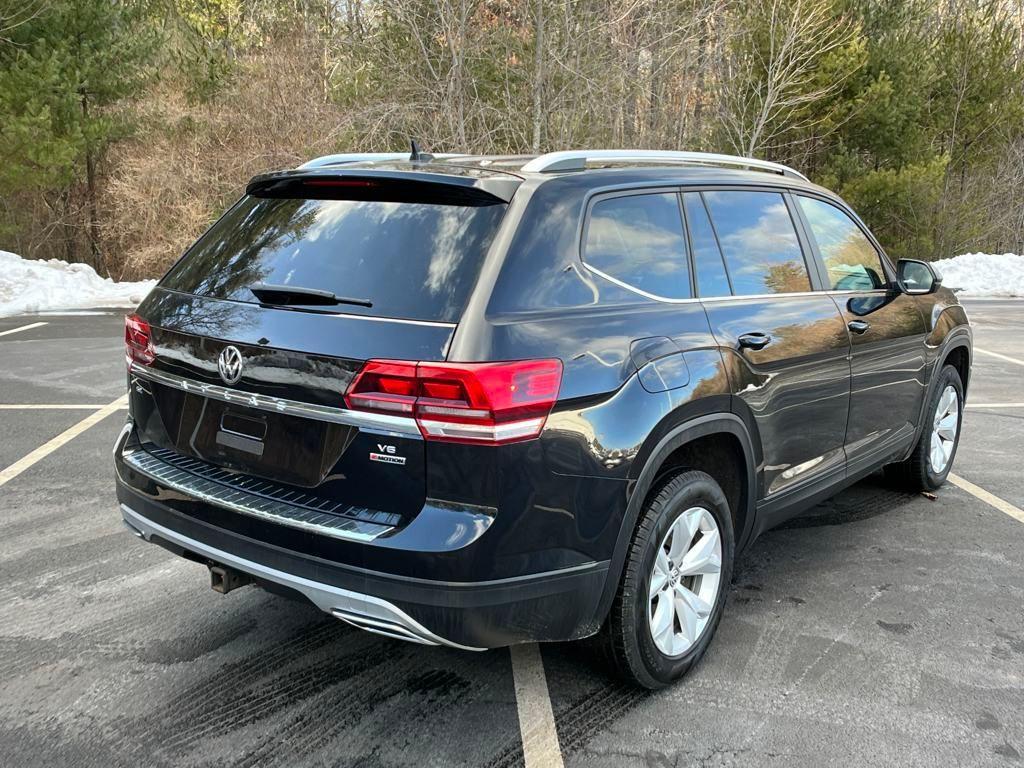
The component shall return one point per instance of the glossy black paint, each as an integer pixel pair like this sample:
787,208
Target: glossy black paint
811,410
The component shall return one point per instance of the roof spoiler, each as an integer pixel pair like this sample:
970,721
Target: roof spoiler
368,183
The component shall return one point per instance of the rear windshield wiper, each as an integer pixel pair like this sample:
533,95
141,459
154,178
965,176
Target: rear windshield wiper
296,295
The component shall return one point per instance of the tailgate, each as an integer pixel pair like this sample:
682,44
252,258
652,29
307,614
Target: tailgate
258,330
284,420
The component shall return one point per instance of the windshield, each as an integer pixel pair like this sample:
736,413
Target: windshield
407,259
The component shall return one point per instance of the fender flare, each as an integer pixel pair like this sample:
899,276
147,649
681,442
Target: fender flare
701,426
956,339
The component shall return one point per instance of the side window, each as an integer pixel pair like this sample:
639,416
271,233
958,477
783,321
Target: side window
639,240
707,258
759,242
852,262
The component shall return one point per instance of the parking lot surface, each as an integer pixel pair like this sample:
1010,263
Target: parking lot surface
880,628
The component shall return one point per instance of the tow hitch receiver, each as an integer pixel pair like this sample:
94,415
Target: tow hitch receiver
223,579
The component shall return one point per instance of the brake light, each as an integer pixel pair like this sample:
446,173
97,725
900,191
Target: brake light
339,183
384,386
490,403
138,342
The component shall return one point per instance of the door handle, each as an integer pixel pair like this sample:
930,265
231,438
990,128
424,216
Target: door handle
754,340
858,326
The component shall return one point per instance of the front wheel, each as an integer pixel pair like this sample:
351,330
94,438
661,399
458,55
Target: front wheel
932,459
674,582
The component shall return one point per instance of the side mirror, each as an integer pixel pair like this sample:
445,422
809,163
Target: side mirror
917,277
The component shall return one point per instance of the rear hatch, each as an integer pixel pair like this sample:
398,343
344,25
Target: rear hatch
257,332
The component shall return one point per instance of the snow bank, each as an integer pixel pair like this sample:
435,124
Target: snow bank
37,286
984,274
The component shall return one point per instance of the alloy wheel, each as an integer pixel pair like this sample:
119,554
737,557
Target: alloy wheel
944,429
685,580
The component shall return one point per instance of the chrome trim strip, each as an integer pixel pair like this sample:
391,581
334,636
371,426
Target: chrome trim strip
737,297
577,159
634,289
245,503
401,320
376,422
339,602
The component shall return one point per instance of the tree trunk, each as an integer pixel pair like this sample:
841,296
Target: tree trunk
538,75
93,224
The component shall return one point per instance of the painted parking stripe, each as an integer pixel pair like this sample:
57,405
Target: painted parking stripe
1005,358
989,498
66,436
536,720
995,405
28,327
53,406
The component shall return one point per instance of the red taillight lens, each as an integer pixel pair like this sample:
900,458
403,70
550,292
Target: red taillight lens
462,402
384,386
138,344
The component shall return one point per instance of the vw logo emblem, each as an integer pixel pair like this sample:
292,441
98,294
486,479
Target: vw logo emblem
230,365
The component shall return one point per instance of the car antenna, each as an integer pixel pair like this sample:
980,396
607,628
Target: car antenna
415,156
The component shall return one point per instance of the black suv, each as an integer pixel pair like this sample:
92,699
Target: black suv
478,401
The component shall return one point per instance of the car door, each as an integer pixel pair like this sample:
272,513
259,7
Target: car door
785,344
887,332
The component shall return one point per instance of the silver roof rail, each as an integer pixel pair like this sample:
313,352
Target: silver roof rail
575,160
364,157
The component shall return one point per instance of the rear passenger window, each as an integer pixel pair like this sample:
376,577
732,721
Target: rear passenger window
759,242
638,240
707,259
852,262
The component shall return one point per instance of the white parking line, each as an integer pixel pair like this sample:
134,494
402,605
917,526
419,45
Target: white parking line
53,406
995,405
1001,357
67,435
21,328
536,720
988,498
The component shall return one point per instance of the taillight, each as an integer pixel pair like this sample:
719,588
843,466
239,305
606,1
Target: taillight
462,402
384,386
138,344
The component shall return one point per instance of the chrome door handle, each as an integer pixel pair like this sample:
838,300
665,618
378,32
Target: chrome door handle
858,326
754,340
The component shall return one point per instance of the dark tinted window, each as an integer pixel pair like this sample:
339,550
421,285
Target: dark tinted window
758,241
411,260
852,262
707,258
639,240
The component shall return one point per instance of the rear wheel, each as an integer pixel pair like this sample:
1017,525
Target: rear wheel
674,582
932,459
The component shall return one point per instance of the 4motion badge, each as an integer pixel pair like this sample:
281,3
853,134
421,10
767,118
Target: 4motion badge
386,455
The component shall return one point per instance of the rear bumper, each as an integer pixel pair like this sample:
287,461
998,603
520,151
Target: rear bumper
557,605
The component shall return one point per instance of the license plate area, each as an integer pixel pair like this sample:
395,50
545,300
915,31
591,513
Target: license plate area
286,448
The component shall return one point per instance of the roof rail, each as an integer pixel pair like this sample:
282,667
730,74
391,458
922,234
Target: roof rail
364,157
575,160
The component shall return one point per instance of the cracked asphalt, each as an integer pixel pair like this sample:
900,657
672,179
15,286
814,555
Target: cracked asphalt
878,629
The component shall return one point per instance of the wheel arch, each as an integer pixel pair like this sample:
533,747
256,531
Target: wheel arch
707,431
956,349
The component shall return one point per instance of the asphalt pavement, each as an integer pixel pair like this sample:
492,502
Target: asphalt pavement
880,628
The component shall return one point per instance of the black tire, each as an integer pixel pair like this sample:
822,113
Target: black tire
626,642
916,473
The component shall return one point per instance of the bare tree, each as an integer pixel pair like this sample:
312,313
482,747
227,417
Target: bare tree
766,81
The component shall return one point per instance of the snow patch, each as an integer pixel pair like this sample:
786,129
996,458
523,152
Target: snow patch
983,274
38,286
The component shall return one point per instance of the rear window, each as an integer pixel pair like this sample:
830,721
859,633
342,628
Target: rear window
639,241
409,259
